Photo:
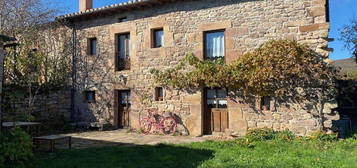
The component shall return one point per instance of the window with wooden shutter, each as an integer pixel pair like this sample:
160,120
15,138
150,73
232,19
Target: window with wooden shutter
122,53
159,94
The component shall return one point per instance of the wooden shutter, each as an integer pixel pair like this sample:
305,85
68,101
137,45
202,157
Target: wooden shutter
216,116
219,120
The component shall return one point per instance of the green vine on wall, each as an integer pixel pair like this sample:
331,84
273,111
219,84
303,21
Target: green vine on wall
279,68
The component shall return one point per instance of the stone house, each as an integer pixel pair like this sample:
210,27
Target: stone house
116,46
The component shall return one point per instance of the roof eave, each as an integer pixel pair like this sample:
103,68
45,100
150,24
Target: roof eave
121,6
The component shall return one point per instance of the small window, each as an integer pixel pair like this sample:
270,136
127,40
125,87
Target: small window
122,19
158,38
265,103
159,94
214,45
89,96
92,46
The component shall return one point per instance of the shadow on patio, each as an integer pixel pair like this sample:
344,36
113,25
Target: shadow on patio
117,155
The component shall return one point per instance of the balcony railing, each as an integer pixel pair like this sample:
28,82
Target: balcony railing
123,64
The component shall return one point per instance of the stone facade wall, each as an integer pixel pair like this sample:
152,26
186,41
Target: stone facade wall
247,24
53,108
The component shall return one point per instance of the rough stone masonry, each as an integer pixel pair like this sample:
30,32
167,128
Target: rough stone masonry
247,25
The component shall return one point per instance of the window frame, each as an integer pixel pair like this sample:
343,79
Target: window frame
205,57
157,93
90,46
217,99
127,101
154,37
126,65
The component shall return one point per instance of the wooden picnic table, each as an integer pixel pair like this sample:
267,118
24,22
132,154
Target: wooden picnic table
28,125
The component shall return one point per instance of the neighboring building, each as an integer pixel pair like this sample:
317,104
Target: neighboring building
118,45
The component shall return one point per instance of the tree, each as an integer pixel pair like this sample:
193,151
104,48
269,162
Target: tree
18,16
38,65
349,36
41,60
283,69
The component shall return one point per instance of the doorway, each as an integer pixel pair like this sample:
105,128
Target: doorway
122,109
215,111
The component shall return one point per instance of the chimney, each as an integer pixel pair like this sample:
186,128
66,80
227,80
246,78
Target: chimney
85,5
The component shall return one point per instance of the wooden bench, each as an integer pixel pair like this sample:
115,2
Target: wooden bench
52,140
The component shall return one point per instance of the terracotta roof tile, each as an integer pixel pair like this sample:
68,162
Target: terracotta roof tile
123,5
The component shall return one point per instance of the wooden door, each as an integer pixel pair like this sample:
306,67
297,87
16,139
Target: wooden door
122,105
216,112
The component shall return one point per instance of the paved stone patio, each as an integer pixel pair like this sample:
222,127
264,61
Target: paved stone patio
125,138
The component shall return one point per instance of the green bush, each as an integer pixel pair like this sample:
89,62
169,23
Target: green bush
323,136
285,135
260,134
15,149
263,134
352,75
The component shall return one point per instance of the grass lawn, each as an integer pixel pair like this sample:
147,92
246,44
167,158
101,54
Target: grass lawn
238,153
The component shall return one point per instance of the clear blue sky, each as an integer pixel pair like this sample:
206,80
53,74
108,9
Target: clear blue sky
341,12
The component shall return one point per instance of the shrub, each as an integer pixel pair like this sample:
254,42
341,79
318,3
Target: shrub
15,149
263,134
323,136
244,142
352,75
285,135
